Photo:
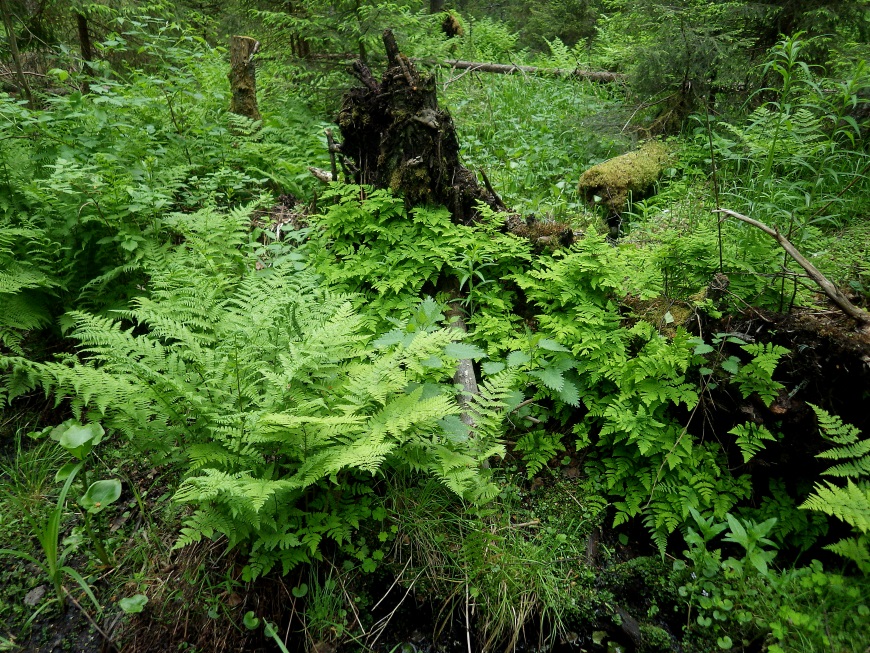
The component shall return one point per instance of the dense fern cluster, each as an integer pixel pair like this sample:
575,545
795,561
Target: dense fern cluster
269,389
630,379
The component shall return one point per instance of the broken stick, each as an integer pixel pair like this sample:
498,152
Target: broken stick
833,293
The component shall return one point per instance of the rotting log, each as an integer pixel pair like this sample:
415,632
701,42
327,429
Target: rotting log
242,76
834,294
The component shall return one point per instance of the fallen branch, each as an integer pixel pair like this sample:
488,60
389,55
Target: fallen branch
833,293
603,77
323,175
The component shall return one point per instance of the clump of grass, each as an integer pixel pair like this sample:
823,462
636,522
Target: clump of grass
507,571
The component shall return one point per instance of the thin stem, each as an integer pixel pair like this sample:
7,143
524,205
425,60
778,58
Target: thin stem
715,181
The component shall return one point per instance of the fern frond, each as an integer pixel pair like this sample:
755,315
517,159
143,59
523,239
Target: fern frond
850,504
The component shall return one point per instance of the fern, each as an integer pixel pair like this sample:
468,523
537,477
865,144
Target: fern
850,504
267,385
629,379
750,439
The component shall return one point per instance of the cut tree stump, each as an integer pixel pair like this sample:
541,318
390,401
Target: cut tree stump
242,76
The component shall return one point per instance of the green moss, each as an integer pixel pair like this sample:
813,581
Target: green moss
613,182
655,639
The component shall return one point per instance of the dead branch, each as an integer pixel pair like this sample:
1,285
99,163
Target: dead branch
600,76
833,293
323,175
603,77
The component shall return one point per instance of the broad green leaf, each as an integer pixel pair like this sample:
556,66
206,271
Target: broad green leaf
569,394
64,472
492,367
731,365
552,378
517,358
551,345
461,350
78,439
100,495
133,604
250,620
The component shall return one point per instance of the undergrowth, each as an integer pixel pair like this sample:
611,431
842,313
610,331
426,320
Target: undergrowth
292,385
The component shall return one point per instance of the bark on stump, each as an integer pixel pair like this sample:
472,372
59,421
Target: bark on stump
395,136
243,77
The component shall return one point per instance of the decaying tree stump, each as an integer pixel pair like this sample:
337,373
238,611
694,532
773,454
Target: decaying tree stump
395,136
243,77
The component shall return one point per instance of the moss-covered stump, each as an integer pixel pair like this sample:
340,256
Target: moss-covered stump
395,136
242,75
627,177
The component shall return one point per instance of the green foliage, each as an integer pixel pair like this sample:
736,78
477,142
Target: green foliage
850,504
534,136
538,448
676,51
629,379
389,255
521,563
85,186
266,385
54,564
742,599
750,439
794,527
79,441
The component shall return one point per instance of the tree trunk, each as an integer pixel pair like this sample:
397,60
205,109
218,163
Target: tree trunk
23,86
86,48
242,76
436,6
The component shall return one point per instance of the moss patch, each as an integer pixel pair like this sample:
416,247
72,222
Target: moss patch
631,175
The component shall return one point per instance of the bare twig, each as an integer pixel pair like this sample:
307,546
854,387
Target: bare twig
387,593
833,293
89,618
381,625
